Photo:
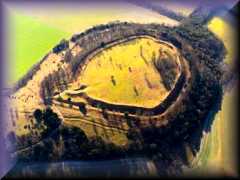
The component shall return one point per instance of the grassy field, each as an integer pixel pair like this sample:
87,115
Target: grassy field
30,41
124,74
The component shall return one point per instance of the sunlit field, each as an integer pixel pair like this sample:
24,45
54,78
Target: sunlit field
125,74
224,31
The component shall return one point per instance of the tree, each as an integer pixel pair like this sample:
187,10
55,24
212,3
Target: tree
102,44
82,108
68,56
61,46
104,113
113,80
43,151
38,115
69,102
75,141
133,134
51,120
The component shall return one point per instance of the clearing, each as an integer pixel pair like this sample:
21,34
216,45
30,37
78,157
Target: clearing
125,74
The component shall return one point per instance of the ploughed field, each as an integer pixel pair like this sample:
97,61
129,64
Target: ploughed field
127,73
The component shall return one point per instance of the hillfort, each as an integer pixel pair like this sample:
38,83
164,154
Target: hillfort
120,89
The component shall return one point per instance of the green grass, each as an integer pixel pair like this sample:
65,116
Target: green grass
30,41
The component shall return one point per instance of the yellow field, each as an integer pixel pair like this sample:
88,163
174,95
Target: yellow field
224,31
124,74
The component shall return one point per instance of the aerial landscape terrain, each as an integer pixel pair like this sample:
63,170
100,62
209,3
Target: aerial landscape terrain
148,88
